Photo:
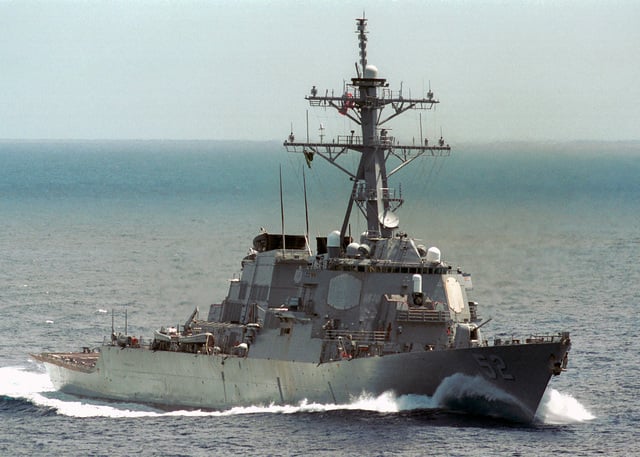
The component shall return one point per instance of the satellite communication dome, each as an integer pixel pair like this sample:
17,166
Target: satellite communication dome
433,255
333,240
333,244
371,72
353,249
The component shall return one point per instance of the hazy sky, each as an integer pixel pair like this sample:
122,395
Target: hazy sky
503,70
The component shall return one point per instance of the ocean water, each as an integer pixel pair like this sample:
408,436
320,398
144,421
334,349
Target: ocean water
550,232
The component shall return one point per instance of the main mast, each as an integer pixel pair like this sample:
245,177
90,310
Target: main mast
363,102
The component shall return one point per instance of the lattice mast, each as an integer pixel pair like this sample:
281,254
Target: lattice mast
363,102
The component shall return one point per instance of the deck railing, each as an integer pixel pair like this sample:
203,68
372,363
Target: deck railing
421,315
359,336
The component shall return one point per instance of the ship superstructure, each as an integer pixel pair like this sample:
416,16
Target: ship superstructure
368,314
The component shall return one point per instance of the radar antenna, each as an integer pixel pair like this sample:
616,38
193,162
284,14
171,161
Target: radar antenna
363,101
362,38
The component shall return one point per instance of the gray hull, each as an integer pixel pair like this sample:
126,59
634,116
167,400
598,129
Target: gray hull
489,380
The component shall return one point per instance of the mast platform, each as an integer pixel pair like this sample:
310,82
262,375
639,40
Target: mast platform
346,142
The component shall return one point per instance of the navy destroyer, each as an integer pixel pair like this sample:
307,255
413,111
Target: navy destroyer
370,314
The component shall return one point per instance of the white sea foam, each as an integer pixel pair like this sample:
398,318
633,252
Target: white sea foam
18,382
557,408
464,386
35,387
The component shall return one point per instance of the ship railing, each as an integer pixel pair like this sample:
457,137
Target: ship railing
382,141
361,193
532,339
358,335
382,266
350,140
421,315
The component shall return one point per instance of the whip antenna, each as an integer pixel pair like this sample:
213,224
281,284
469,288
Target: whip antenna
306,210
282,212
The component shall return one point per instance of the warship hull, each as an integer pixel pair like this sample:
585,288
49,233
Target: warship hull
506,381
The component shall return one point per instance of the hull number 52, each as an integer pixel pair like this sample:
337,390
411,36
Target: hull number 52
493,367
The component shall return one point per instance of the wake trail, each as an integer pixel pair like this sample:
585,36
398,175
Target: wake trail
35,387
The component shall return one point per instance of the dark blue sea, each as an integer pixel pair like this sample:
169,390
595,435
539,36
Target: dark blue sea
550,232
